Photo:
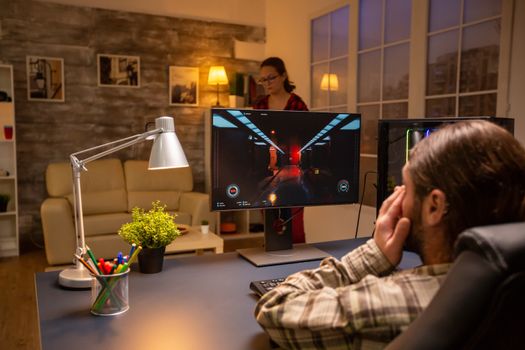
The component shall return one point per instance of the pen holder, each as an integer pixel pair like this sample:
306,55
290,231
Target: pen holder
109,294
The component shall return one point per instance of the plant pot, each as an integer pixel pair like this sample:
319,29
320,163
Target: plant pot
205,228
151,259
3,206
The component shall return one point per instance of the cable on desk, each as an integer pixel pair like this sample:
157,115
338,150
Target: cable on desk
361,202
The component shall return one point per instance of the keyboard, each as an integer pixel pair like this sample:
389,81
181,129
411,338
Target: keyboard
263,286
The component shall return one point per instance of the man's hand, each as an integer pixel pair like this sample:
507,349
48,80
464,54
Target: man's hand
392,229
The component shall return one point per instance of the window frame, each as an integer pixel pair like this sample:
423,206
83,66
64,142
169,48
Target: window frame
418,42
328,11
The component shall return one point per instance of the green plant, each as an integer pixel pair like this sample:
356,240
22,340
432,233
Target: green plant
204,222
151,229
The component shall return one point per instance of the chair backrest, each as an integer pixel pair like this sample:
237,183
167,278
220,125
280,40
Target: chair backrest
481,304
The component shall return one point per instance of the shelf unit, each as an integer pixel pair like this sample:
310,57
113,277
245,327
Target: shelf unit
8,183
242,220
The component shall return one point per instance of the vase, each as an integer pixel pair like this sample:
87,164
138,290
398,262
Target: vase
151,259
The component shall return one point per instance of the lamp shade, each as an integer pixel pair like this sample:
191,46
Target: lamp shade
167,151
217,75
330,82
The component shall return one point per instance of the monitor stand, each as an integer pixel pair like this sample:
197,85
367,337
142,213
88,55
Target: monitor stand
278,247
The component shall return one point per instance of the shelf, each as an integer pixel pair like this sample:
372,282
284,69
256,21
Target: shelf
8,184
241,235
8,246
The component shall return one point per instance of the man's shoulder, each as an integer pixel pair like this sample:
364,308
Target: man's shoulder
423,270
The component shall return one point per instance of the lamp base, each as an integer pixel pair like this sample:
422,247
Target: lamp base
75,278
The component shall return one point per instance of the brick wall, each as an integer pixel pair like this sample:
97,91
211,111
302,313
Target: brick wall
49,132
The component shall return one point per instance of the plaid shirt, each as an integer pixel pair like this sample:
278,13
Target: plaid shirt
295,103
355,303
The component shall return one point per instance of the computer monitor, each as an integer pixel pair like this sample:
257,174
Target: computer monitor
277,160
397,136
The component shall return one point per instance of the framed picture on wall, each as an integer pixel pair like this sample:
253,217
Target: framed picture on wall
118,71
184,86
45,79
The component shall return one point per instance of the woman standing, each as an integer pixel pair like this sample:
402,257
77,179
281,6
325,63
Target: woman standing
278,87
280,96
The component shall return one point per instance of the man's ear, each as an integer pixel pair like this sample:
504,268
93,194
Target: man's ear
434,207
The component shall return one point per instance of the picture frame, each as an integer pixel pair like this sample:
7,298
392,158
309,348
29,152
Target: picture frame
122,71
45,79
183,86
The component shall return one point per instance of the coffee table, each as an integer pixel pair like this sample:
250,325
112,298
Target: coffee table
196,241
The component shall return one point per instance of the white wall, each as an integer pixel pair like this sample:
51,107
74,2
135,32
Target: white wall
229,11
288,35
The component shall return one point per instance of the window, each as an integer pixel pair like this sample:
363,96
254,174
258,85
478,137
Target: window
462,57
329,61
410,59
383,64
383,73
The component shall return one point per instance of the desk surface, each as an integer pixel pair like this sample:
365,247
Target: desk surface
200,302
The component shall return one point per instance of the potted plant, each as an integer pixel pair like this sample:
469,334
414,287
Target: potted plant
4,200
205,226
153,230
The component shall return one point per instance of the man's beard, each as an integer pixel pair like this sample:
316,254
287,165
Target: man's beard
414,242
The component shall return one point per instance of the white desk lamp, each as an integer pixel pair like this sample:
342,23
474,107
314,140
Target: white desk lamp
166,153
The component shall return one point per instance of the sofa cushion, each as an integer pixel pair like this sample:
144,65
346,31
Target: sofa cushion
58,179
109,224
104,224
145,186
102,186
143,199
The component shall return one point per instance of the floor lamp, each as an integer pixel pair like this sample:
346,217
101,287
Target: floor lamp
166,153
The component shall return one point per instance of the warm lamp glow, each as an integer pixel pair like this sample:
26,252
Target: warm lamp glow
217,75
329,82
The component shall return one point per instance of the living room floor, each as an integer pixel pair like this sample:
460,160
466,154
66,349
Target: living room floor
19,318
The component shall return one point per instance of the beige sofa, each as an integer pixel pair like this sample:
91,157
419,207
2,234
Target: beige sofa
109,191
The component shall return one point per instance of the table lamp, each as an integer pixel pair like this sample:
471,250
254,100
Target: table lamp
217,75
166,153
329,82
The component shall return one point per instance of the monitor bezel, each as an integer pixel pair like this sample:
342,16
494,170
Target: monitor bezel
214,209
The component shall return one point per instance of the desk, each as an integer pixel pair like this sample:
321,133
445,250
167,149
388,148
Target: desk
197,241
195,303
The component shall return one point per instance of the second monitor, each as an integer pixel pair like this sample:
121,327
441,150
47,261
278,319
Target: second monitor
276,160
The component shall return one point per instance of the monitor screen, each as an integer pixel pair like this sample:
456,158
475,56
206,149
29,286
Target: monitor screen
398,136
277,159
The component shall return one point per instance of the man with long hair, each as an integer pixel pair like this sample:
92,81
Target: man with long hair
467,174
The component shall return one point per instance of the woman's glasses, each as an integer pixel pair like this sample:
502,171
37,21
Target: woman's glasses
267,79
